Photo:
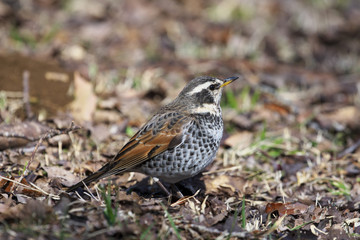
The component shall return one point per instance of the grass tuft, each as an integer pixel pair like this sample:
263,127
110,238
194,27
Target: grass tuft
243,214
110,212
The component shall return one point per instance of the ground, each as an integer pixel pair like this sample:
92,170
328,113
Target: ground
79,78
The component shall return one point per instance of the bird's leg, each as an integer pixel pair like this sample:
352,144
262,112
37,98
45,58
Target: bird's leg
178,193
156,180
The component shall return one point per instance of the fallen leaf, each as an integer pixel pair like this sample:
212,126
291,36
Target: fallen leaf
8,186
277,107
66,177
84,104
239,140
286,208
345,117
18,135
223,182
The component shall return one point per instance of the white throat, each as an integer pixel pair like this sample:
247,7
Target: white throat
207,108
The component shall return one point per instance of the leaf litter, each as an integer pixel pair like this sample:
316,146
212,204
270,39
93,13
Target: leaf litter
288,167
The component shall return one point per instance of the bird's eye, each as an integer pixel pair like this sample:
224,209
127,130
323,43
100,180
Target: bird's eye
213,87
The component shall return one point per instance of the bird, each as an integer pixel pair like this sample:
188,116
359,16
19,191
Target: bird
178,142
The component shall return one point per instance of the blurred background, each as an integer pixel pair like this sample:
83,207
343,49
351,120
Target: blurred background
154,47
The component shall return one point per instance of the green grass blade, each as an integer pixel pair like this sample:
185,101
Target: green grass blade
172,223
243,215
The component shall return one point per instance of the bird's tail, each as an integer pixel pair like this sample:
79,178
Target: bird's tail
101,173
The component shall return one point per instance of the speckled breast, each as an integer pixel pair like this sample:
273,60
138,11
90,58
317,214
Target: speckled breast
198,150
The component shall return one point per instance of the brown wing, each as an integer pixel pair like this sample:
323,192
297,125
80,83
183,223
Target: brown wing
161,133
148,143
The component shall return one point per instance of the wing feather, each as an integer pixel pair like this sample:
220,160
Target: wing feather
163,139
147,143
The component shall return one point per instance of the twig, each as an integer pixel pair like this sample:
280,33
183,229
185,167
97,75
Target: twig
54,132
80,197
223,170
51,133
350,149
26,95
273,227
55,197
185,199
15,135
32,187
89,193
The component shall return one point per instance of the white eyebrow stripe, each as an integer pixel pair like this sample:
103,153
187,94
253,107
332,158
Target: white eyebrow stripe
199,88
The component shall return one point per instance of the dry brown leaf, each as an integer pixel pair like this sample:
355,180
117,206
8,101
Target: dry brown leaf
84,104
215,212
213,184
66,177
18,135
277,107
223,182
239,140
319,214
8,186
286,208
347,116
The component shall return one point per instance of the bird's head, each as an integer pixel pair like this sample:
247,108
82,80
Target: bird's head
203,94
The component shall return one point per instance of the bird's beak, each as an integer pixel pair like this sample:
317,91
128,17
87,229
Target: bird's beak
228,81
